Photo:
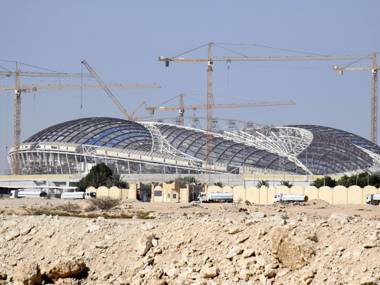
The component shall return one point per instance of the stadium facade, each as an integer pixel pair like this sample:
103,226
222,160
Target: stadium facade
73,147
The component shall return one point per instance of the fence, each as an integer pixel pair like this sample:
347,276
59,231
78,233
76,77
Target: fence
338,195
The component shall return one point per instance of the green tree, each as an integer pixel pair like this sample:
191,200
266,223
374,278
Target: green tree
183,181
362,179
325,181
286,183
100,175
262,183
344,181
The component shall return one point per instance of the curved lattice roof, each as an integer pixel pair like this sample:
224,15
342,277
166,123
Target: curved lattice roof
300,148
108,132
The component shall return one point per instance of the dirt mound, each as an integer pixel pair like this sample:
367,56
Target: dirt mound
318,203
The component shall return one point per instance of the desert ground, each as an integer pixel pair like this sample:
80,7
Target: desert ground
52,241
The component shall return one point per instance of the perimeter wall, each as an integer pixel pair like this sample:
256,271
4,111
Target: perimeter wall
338,195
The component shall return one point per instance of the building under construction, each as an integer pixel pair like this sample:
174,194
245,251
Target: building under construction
129,147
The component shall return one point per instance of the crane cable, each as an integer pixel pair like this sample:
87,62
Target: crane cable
81,87
273,48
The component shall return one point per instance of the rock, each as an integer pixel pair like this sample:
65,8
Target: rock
340,218
155,242
65,268
12,234
148,227
242,239
234,230
234,252
373,240
26,229
144,244
248,252
157,250
3,276
292,251
245,274
271,273
103,244
209,272
258,215
27,274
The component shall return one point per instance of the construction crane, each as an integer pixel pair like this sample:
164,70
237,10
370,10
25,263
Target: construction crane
17,101
59,86
19,89
240,58
109,92
374,82
228,123
181,107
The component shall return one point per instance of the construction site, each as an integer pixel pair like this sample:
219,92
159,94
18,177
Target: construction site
194,143
141,147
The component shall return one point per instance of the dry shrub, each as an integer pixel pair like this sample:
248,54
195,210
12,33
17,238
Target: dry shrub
144,215
105,204
69,207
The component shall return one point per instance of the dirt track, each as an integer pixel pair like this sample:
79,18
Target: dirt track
207,244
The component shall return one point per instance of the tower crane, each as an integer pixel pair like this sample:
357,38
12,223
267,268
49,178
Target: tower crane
109,93
181,107
374,82
19,89
210,59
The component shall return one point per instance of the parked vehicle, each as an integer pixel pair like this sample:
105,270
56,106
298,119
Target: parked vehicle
289,198
78,195
225,197
28,193
72,195
373,199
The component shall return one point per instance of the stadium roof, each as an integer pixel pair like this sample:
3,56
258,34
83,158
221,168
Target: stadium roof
303,149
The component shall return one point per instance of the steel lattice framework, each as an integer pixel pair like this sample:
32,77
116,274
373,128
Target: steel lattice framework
152,147
285,141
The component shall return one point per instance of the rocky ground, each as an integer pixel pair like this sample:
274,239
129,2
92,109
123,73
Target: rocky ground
195,244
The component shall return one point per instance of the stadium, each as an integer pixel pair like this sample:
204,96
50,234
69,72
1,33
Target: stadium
128,147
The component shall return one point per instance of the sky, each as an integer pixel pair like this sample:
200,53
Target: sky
122,40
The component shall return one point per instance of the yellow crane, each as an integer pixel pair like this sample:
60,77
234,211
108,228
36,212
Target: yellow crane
210,59
19,89
374,69
181,107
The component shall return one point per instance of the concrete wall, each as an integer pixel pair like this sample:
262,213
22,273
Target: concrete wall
114,192
338,195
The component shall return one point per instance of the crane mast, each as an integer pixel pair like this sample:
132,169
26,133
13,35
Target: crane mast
17,119
210,102
19,89
374,107
297,58
374,69
17,103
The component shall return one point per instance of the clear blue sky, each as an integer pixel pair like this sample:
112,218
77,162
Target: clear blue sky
122,40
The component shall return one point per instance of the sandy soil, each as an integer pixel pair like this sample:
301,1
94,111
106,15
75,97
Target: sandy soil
314,243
